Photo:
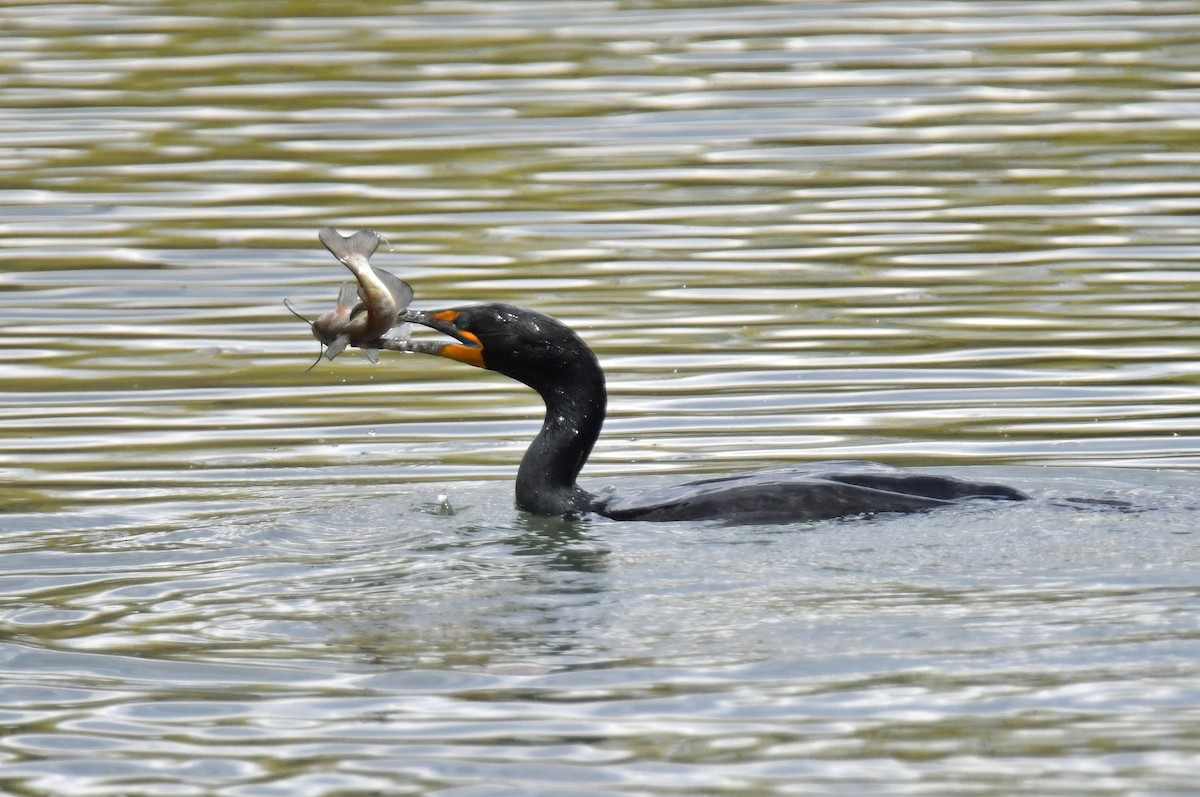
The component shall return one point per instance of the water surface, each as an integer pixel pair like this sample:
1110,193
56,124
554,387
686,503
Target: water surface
949,235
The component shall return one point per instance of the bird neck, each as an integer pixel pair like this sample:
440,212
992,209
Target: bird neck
575,406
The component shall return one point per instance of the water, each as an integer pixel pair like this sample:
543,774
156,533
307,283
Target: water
948,235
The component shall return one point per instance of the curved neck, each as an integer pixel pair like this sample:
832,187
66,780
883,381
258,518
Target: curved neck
575,406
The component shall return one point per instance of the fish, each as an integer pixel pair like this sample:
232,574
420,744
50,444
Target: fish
384,295
333,328
366,309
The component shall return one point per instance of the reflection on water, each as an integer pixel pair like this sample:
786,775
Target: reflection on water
927,234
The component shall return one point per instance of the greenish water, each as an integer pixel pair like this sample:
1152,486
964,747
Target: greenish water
953,235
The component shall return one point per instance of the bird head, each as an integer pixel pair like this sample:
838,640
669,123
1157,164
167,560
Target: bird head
521,344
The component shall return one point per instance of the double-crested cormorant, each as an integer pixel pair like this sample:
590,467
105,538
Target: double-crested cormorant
549,357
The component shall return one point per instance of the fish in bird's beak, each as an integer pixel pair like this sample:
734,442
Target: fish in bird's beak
383,295
366,309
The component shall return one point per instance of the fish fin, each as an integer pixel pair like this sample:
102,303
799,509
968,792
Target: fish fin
362,244
371,354
401,291
337,347
348,294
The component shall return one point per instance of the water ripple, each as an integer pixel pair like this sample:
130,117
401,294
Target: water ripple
933,233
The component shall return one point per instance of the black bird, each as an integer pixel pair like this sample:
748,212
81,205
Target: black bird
549,357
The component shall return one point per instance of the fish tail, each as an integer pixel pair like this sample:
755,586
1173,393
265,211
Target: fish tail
362,244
